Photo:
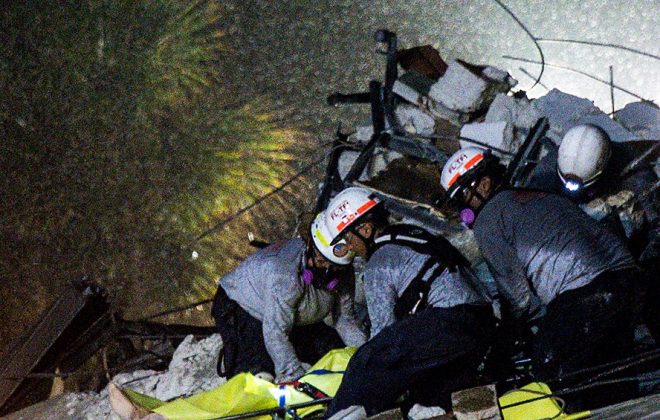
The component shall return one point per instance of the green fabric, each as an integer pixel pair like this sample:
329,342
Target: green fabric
245,393
539,409
142,400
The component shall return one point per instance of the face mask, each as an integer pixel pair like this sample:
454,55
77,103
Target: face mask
467,217
314,277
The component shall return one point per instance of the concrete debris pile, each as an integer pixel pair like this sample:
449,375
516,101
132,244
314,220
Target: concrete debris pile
192,370
448,105
437,107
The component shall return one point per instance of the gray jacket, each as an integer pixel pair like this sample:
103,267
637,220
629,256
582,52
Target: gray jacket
539,245
268,286
393,267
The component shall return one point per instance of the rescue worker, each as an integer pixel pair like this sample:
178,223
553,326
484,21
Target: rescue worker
587,166
430,322
553,265
269,309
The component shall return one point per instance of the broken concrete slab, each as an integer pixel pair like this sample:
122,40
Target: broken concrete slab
518,112
466,88
364,133
420,412
414,88
498,135
641,118
478,403
354,412
192,370
565,111
394,414
415,121
380,159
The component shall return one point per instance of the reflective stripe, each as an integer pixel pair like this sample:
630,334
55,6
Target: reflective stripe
453,179
386,238
468,165
345,222
282,399
348,219
321,238
323,372
366,206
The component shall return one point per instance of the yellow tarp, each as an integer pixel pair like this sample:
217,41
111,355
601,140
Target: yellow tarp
245,393
545,408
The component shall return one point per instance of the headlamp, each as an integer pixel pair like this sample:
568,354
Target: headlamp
572,186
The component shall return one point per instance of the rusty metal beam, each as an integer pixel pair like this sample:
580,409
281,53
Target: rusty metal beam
44,346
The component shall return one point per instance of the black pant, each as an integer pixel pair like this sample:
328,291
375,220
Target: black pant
431,354
244,349
585,327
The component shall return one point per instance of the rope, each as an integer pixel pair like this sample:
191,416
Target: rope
620,368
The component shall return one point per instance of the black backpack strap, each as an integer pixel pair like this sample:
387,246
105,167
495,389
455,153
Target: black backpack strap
415,297
442,255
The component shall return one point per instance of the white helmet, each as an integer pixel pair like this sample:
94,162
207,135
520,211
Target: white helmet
337,253
457,165
583,154
346,207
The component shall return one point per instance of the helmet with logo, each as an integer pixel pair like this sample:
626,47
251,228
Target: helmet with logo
582,157
337,253
462,167
346,208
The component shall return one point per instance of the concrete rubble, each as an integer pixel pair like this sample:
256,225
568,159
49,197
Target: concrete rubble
478,403
414,121
641,118
479,102
565,111
467,88
192,370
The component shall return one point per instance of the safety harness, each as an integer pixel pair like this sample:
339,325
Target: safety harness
442,254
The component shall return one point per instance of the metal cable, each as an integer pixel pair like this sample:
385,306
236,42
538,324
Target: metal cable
262,198
556,66
531,36
597,44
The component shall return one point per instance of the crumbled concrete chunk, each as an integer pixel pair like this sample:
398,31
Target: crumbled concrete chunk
641,118
478,403
416,120
498,135
394,414
420,412
466,90
565,111
354,412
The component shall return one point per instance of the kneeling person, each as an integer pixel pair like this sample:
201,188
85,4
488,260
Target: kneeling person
431,324
269,309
